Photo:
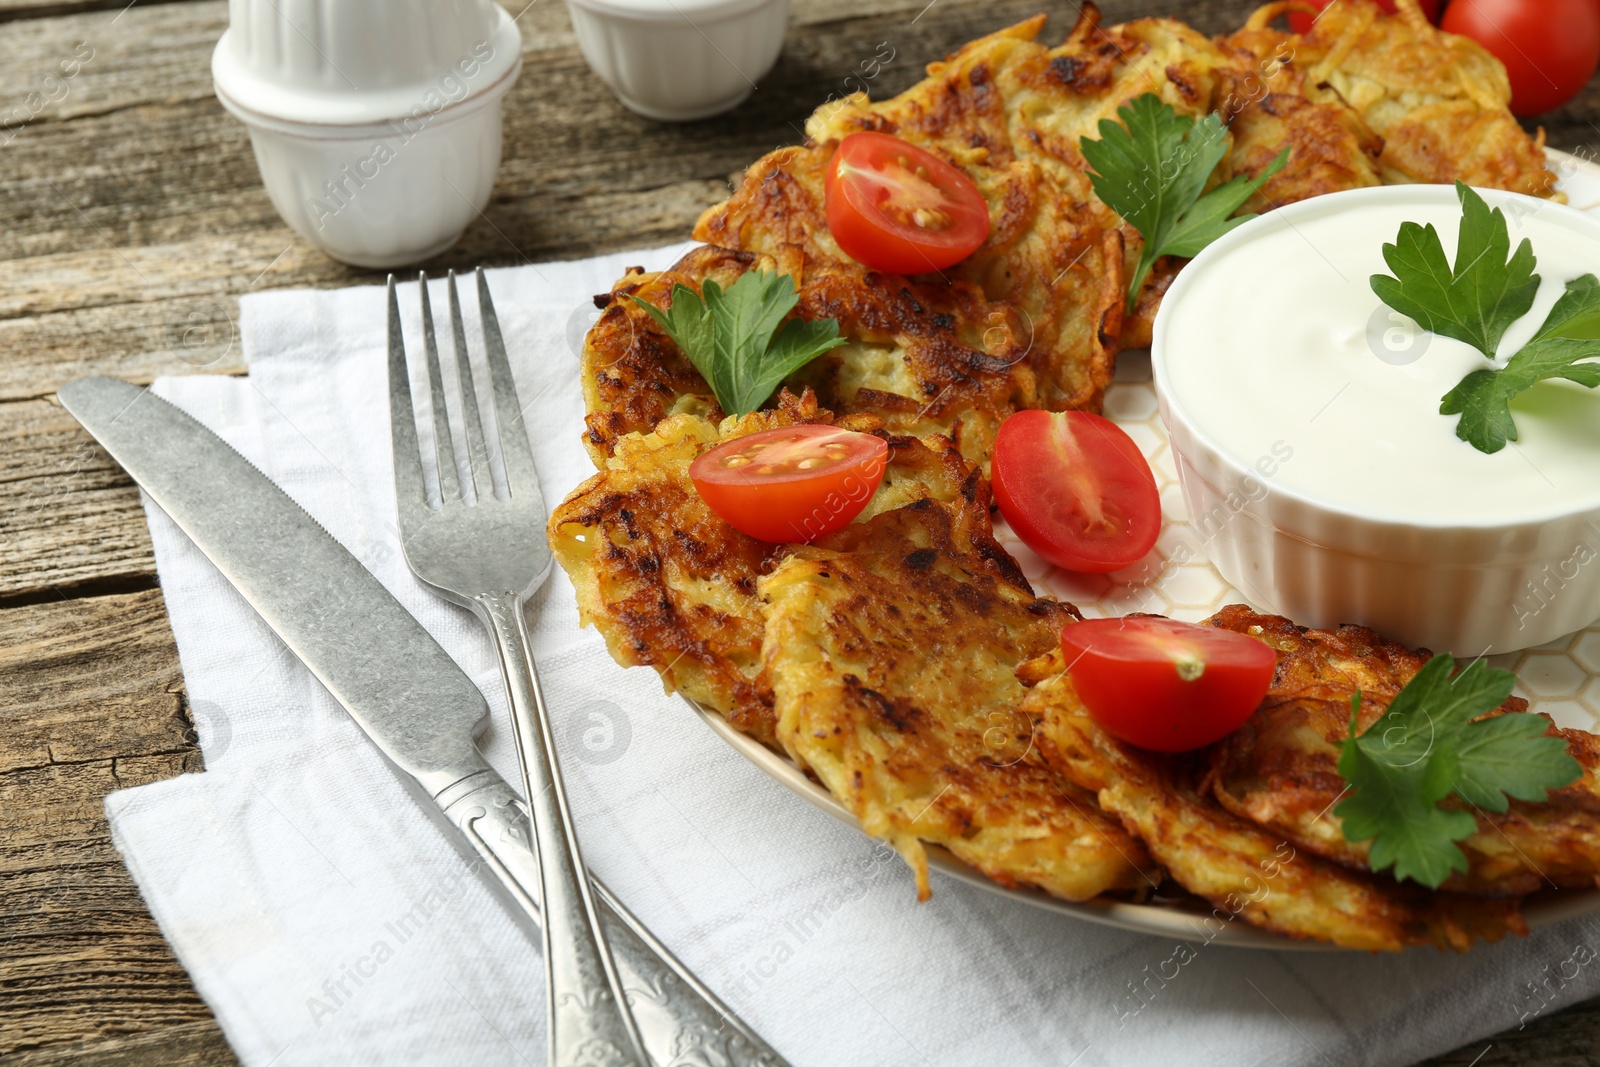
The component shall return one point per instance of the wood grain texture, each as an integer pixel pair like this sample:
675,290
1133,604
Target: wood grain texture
133,220
16,10
69,516
94,703
190,1044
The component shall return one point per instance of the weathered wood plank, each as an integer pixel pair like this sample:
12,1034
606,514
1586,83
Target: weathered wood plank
90,679
82,957
68,514
16,10
54,69
107,542
93,703
198,1044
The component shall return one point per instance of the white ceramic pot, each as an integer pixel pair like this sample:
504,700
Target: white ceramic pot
679,60
1388,520
376,126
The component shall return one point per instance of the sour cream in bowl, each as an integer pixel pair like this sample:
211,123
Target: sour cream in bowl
1315,463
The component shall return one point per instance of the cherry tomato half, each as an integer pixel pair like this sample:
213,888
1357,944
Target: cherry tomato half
1300,22
1550,47
1076,489
1165,685
895,207
792,483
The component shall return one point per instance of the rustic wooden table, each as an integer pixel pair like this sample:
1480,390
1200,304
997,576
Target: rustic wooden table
134,220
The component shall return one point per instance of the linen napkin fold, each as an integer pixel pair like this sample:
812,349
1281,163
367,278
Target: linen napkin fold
326,920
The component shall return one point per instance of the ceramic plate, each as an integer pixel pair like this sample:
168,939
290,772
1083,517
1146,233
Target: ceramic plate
1561,679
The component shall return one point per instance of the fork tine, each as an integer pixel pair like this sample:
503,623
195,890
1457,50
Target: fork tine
477,458
515,452
443,450
408,483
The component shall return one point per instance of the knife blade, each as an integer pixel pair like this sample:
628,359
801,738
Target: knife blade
404,691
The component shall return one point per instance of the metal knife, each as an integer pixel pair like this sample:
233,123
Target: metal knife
400,686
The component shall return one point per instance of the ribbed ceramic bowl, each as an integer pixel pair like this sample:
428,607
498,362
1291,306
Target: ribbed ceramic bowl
1446,586
679,60
376,125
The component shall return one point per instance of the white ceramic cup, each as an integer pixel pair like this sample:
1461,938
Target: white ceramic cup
376,125
382,195
679,60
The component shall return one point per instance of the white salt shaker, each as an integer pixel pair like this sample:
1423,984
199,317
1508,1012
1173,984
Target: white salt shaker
376,124
680,59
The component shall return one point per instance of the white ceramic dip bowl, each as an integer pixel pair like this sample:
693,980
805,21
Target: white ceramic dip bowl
679,60
376,125
1305,425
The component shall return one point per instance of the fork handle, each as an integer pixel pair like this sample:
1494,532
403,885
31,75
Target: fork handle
589,1021
680,1019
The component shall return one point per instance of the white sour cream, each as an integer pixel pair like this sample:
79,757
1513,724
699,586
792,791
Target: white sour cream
1280,338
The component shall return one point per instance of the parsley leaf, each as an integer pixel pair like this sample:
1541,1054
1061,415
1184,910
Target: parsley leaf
1426,747
1483,398
1152,170
1476,302
1510,756
737,339
1576,314
1487,290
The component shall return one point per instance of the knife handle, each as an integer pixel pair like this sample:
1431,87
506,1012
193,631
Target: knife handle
678,1017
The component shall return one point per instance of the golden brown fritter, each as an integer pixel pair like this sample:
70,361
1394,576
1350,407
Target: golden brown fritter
892,653
1441,103
1262,99
1280,769
1245,870
998,110
670,585
922,357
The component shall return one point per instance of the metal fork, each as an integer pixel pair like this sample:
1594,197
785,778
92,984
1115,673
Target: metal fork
486,551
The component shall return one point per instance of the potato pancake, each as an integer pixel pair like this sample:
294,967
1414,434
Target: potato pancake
1280,769
1263,100
670,585
921,358
1008,111
1441,103
892,649
1246,870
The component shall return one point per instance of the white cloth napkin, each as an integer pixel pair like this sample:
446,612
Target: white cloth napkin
326,920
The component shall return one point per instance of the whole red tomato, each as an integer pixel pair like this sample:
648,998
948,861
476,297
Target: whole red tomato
1300,22
1550,47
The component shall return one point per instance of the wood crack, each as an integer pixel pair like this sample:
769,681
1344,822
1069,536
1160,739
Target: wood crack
112,585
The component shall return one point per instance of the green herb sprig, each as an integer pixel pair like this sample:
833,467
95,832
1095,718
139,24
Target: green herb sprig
1476,300
1425,748
1152,170
737,337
